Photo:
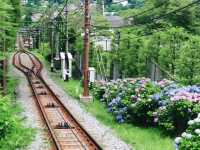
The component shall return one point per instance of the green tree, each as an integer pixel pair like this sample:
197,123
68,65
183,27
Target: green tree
189,62
172,41
10,16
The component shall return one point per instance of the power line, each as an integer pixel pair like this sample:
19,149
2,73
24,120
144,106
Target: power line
65,5
177,10
151,9
155,18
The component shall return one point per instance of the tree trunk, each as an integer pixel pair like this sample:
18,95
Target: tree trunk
1,76
5,61
5,76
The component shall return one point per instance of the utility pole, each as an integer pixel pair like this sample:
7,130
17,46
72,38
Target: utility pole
67,43
103,7
51,44
86,49
67,36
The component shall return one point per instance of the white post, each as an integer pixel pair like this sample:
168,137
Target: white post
63,70
92,74
70,58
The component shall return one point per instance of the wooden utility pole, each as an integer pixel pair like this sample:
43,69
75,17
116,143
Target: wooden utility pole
86,49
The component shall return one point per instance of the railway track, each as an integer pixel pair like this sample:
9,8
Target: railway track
65,131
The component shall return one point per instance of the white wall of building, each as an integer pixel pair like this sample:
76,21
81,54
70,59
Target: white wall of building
123,2
104,42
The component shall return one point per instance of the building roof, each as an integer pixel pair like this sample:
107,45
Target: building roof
116,21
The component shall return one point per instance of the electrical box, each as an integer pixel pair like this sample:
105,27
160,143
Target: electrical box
92,74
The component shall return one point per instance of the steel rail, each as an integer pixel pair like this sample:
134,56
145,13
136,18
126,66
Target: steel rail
88,140
39,104
65,109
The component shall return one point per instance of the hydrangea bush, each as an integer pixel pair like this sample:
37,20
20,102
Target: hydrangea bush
177,106
190,139
141,101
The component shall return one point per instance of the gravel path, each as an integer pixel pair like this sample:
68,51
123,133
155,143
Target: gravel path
102,134
31,113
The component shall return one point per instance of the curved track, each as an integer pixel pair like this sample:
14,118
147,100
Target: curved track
66,132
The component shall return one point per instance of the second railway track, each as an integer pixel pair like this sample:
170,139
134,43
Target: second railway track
66,132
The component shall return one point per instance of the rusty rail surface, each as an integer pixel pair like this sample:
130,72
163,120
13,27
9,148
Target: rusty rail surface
65,131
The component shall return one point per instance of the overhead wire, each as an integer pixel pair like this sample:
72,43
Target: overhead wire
176,10
145,11
54,21
150,9
154,18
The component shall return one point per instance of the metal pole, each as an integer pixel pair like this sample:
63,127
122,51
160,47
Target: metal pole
51,43
67,43
67,36
86,49
43,41
103,8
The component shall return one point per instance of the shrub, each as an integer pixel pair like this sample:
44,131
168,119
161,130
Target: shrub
189,140
174,117
120,102
13,135
99,90
141,112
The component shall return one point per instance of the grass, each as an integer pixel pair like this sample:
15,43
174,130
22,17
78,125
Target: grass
73,87
139,138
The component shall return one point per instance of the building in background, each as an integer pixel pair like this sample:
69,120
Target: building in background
24,2
104,42
122,2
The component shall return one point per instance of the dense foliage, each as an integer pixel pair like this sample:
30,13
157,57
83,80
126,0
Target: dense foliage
170,49
9,23
13,134
10,15
167,41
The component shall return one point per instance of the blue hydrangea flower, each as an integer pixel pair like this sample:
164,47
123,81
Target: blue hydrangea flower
120,118
110,109
162,103
157,96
